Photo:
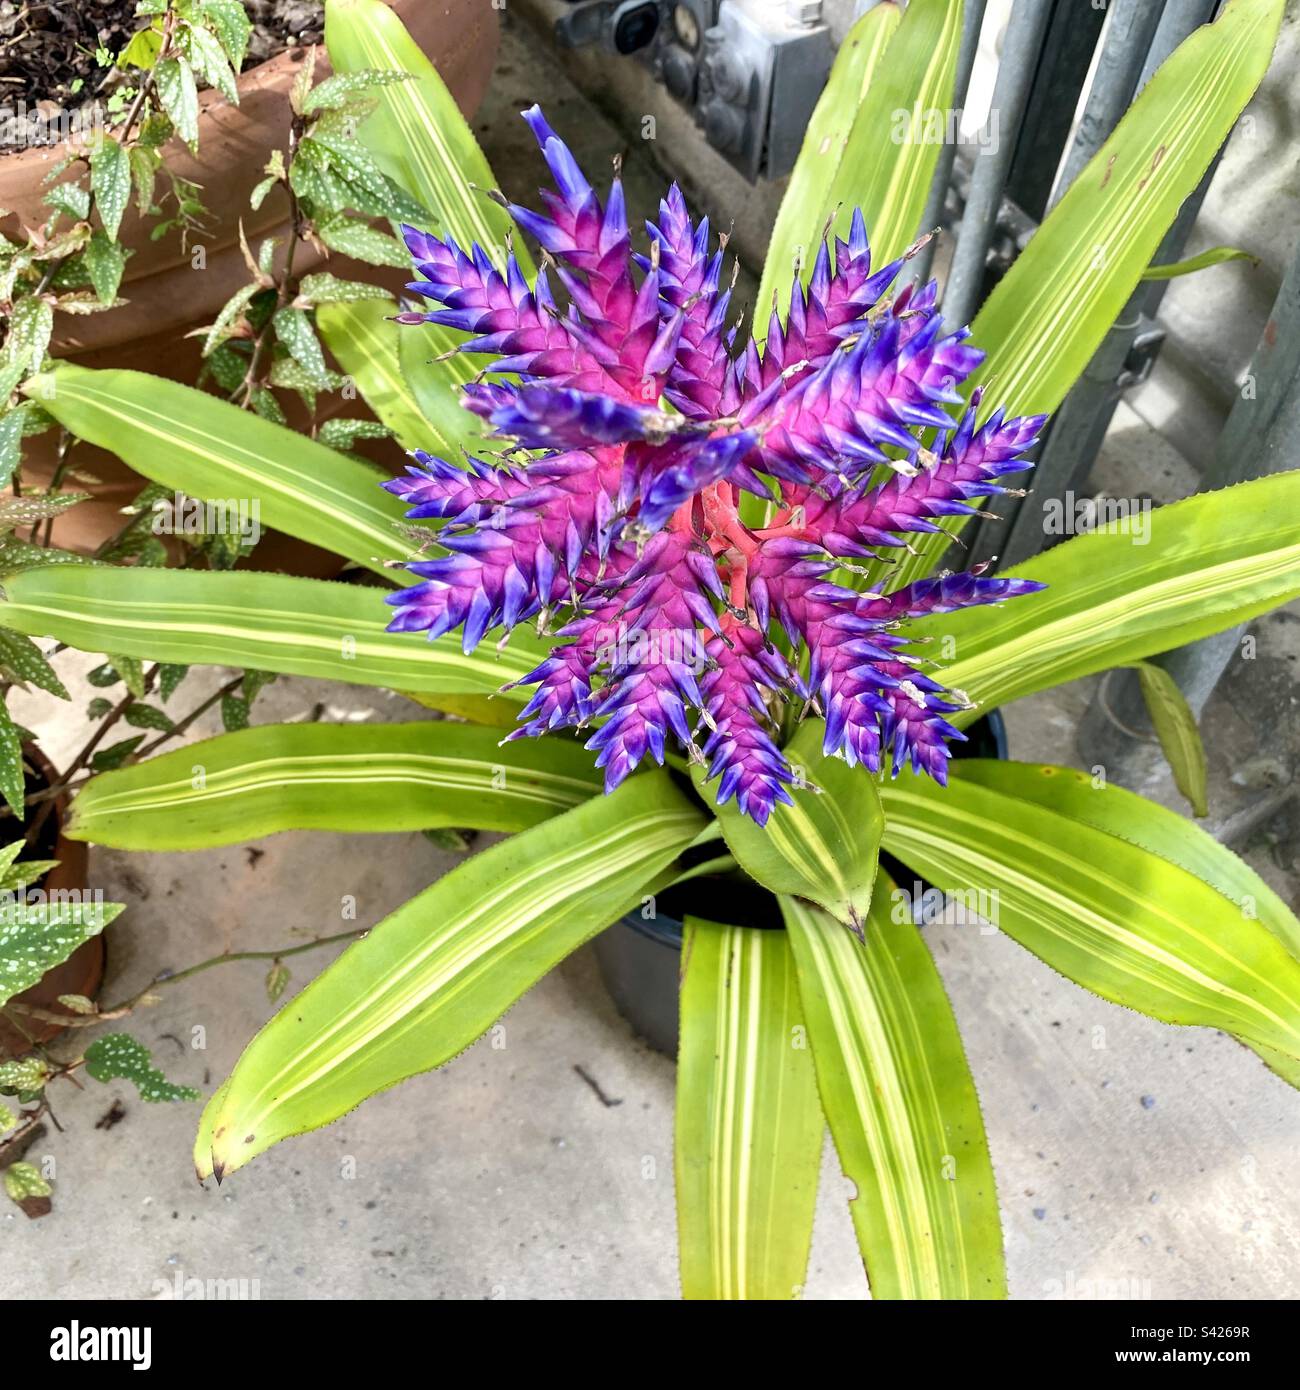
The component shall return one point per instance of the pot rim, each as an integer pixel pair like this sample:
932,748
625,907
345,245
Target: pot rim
73,855
669,931
661,929
271,72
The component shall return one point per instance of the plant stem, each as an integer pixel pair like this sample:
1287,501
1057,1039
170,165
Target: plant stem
182,724
65,783
11,1143
147,86
133,112
288,286
242,955
127,1006
67,442
61,784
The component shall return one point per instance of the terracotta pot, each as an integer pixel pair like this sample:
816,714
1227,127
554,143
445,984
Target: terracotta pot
167,296
83,971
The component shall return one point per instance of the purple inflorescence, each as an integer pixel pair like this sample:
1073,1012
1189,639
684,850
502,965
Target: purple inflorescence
637,421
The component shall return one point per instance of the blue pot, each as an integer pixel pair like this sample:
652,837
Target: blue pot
639,956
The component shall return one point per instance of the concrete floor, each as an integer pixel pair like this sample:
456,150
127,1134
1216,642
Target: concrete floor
1133,1159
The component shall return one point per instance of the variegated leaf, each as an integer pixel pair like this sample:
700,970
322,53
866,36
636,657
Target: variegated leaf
903,1111
432,977
749,1126
239,618
1135,928
343,777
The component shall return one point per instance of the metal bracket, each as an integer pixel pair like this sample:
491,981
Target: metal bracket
750,70
1142,354
621,26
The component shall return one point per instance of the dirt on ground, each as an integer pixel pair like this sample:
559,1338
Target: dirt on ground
56,56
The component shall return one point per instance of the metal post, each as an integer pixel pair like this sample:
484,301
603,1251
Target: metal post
972,22
1120,67
1015,73
1073,33
1079,425
1262,436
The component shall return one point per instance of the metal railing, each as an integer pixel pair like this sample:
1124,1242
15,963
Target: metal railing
1049,49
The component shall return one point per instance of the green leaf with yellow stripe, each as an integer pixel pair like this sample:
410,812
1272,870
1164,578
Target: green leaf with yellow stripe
1205,564
916,77
748,1134
435,975
1109,914
809,200
1160,832
494,711
416,397
1175,727
344,777
263,622
420,139
417,133
206,448
1048,315
871,91
898,1093
824,847
364,340
436,375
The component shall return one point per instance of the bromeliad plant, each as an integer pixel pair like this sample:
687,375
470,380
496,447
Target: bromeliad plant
630,508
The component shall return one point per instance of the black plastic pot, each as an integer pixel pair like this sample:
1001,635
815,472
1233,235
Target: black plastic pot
640,955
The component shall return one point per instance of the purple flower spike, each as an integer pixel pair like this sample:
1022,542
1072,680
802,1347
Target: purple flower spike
740,748
634,419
